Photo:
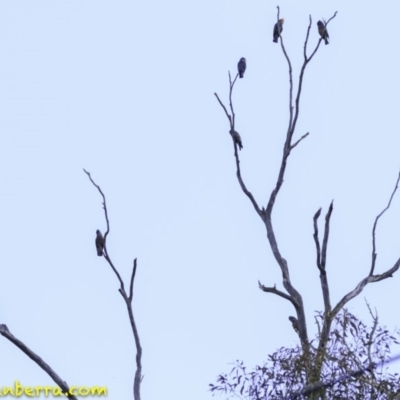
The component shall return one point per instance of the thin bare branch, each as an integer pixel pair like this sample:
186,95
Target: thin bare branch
226,111
374,255
4,331
316,238
269,289
132,279
306,41
104,203
331,18
298,141
243,186
231,85
290,85
326,236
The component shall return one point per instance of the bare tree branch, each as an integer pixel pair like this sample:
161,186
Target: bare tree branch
326,236
298,141
4,331
316,238
226,111
290,73
371,278
132,279
374,255
128,300
275,291
323,274
321,264
359,288
231,85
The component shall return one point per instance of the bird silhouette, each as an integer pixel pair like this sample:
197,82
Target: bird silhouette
236,138
278,28
295,324
323,31
99,243
241,67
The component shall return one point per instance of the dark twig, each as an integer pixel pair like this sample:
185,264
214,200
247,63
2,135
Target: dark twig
290,74
226,111
298,141
132,279
4,331
104,203
376,223
316,238
326,236
231,85
128,301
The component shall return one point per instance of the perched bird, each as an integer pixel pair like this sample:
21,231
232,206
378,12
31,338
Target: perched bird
99,243
323,31
278,28
295,324
241,67
236,138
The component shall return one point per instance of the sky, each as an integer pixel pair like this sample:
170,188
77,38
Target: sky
126,90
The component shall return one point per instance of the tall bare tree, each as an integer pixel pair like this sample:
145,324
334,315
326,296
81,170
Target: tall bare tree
313,358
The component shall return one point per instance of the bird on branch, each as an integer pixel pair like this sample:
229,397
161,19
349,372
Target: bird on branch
99,243
236,138
278,28
295,324
323,31
241,67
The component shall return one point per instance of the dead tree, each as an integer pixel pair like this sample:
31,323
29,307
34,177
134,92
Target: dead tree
314,359
127,298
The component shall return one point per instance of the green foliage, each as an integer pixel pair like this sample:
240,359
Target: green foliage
352,367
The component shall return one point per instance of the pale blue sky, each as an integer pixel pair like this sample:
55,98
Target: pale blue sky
125,90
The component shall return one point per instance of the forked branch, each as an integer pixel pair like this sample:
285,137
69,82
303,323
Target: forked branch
231,119
371,278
